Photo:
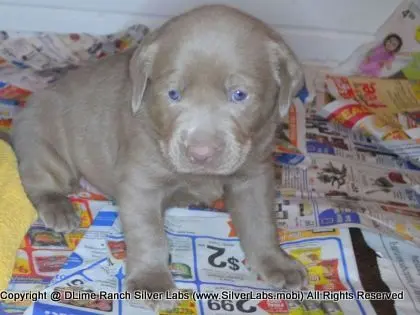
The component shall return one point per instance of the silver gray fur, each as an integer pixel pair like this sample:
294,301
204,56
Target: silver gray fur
113,123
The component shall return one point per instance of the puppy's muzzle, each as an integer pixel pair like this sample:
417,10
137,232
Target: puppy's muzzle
203,148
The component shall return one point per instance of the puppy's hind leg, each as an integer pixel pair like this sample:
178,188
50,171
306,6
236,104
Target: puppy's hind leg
47,180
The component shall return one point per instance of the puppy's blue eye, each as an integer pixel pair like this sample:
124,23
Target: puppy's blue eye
174,95
238,96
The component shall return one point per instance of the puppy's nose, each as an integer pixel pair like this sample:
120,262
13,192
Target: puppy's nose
200,153
201,146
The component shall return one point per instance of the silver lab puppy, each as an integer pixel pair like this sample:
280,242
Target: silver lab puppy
190,115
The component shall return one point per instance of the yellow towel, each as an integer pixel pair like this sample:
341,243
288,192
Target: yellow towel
16,212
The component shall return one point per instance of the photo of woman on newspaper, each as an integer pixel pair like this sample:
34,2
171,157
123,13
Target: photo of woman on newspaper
381,56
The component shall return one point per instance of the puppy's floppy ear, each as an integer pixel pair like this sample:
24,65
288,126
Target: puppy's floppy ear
141,64
287,72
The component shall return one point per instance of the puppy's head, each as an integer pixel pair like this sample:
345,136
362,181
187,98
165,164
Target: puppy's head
213,82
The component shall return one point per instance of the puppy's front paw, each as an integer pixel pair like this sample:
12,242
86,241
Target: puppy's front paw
153,287
283,271
57,213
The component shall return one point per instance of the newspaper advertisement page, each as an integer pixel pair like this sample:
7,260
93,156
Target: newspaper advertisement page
393,120
335,177
343,128
376,90
205,256
348,180
399,265
394,220
334,139
43,253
